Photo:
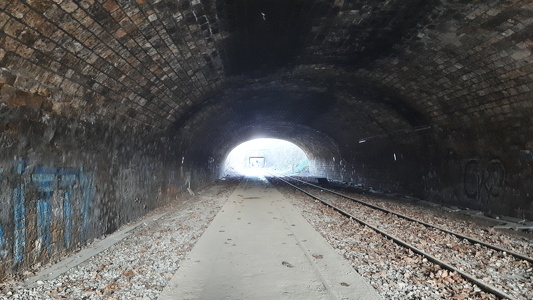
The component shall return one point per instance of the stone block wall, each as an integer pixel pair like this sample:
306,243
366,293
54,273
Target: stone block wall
491,172
484,172
126,54
107,105
64,182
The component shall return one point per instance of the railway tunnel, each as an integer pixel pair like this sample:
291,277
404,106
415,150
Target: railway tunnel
111,108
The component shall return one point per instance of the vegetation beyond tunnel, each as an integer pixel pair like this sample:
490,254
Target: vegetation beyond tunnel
268,155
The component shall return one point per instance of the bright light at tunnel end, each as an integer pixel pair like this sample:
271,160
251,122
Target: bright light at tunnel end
261,156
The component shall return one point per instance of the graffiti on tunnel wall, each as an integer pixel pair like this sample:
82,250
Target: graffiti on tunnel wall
50,209
44,177
86,186
67,180
19,212
3,243
3,251
484,181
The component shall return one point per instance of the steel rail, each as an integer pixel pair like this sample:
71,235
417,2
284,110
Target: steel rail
482,285
470,239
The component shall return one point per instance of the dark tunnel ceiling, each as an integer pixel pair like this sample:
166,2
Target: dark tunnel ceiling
157,64
315,119
278,33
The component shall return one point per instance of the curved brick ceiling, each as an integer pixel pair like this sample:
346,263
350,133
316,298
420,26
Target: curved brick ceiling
153,63
431,99
320,120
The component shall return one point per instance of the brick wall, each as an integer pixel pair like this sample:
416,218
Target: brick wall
64,182
422,98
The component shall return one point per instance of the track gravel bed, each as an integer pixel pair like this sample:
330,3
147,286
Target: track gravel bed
375,256
140,266
450,221
496,268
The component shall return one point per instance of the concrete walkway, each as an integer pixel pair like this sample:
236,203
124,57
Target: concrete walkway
260,247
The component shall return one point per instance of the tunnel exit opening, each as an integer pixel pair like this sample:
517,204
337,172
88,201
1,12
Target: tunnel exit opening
259,156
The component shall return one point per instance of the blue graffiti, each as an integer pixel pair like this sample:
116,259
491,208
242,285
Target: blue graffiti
3,250
20,166
20,223
47,181
67,181
19,214
43,222
67,218
44,178
86,183
3,244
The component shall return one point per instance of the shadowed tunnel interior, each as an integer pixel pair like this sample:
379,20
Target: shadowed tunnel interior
111,108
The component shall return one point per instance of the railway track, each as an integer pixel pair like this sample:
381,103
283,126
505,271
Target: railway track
501,272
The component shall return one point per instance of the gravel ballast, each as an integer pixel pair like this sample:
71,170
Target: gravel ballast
139,266
396,272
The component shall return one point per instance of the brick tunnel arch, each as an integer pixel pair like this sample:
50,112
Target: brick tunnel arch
346,129
126,103
384,141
